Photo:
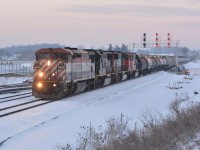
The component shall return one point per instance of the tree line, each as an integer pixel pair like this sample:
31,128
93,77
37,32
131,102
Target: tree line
118,48
23,52
27,52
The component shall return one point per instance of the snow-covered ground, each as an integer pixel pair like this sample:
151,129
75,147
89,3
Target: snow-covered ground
13,80
59,122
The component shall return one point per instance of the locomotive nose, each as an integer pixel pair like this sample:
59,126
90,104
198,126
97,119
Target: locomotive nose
41,74
39,85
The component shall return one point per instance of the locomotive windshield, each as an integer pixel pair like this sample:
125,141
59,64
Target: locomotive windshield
47,55
55,55
42,55
63,56
39,56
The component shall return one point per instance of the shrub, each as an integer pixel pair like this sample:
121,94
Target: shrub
170,132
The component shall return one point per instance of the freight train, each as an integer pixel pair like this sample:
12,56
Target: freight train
60,72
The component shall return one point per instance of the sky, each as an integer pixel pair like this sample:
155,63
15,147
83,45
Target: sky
94,23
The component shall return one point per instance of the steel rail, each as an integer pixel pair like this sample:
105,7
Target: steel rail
23,109
19,105
15,99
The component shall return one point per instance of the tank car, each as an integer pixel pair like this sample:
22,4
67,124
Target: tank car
144,65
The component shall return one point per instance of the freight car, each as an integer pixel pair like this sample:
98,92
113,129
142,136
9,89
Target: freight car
59,72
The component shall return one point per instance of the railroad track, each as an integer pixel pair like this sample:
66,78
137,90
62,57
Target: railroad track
15,97
14,90
8,110
14,85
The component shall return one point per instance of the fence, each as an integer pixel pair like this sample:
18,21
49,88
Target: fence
18,68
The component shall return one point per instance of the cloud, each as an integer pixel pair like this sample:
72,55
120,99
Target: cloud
132,9
190,24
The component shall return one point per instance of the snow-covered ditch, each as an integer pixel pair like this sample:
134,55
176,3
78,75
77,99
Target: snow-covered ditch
59,122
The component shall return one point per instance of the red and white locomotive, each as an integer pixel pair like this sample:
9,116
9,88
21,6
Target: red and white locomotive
60,72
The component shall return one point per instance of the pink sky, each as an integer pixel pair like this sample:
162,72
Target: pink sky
98,23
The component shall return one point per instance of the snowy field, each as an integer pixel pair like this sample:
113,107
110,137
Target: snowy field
13,80
59,122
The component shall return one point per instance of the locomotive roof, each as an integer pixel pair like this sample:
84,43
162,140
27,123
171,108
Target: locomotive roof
76,50
73,51
54,50
79,52
113,51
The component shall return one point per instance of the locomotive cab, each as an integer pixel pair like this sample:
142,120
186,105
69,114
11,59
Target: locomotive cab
50,73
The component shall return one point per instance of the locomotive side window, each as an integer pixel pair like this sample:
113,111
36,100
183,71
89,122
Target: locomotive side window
46,55
116,56
92,58
39,56
126,56
109,56
55,55
63,56
78,55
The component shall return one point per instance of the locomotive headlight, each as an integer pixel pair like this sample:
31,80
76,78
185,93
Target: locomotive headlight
41,74
48,62
39,85
54,85
53,74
